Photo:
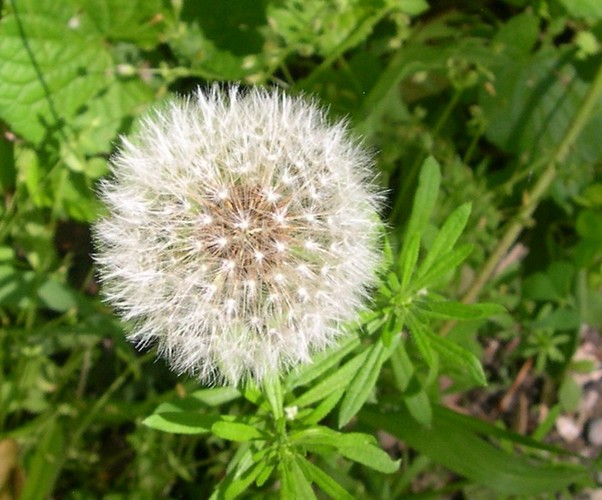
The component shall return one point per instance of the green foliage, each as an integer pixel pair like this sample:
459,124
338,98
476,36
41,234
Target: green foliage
486,123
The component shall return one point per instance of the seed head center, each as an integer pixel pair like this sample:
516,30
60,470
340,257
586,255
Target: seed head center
248,229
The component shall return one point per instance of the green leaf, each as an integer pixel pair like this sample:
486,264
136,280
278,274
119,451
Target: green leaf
361,449
464,452
340,379
418,332
458,356
408,259
236,431
443,267
45,464
446,237
324,408
294,483
51,66
238,483
273,393
322,363
364,380
56,296
138,21
181,422
323,480
449,309
425,198
216,396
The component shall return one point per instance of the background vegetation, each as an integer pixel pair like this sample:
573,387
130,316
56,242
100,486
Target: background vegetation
502,97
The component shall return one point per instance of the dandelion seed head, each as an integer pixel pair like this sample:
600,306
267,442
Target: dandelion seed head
241,232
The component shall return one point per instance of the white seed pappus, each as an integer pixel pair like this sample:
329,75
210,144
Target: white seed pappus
242,232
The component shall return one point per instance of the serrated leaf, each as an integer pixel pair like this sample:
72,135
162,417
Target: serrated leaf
50,66
446,237
364,380
326,483
181,422
236,431
456,355
450,309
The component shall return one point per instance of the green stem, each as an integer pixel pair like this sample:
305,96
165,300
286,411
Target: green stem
532,199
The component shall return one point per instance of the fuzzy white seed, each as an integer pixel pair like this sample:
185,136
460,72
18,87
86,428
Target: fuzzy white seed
241,232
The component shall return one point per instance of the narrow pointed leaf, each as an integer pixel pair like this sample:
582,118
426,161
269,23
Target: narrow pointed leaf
441,268
425,198
181,422
417,330
463,451
361,449
326,483
236,431
294,484
458,356
446,238
364,380
338,380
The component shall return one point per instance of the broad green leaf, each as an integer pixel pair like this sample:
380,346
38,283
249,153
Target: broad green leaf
322,363
236,431
326,483
56,296
446,237
51,67
364,380
457,310
294,484
425,198
535,97
138,21
589,10
239,484
340,379
181,422
458,356
464,452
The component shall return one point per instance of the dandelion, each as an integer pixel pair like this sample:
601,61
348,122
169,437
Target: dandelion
241,232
